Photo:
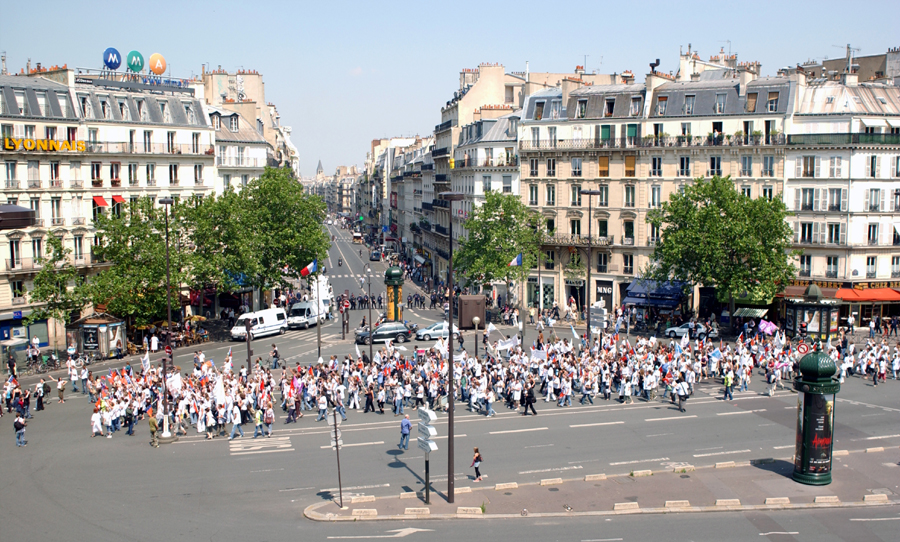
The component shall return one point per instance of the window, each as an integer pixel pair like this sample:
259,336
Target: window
635,108
628,264
689,105
532,194
132,174
684,166
629,195
485,183
114,170
198,173
551,135
576,195
509,94
746,166
533,167
554,109
37,248
655,196
808,167
54,175
720,104
630,166
551,167
539,110
550,259
217,122
686,129
751,102
603,166
603,197
575,226
661,105
831,266
488,156
608,107
834,167
166,114
895,266
50,132
807,199
151,174
507,184
233,120
170,142
768,166
577,133
835,196
36,207
715,166
746,191
576,167
654,233
895,163
871,266
22,103
95,173
806,232
656,166
195,143
602,262
581,109
873,166
768,192
874,200
834,234
551,195
805,265
772,103
551,225
872,237
78,251
602,228
148,141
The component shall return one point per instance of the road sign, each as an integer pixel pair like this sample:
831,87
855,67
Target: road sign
168,350
17,315
427,431
427,416
803,348
346,303
339,441
335,433
427,445
333,420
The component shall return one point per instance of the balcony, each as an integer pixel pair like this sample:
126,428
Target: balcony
151,182
425,226
198,182
442,178
34,184
56,183
115,183
627,270
12,184
20,300
427,167
652,141
239,162
831,274
78,221
76,183
96,183
712,172
38,222
804,273
442,203
57,221
443,151
426,206
173,182
895,274
132,182
444,126
870,274
843,139
579,240
441,230
111,147
871,242
21,265
628,241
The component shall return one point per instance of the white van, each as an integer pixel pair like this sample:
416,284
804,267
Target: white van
303,314
265,322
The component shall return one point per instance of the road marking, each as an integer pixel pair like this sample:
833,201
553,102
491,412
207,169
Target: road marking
876,438
398,533
539,446
602,540
785,447
670,418
576,467
357,444
660,435
723,453
874,519
740,412
446,436
264,446
295,488
595,424
517,431
705,449
355,487
639,461
266,470
869,405
779,532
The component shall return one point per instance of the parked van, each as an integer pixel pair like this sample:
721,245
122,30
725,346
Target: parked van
265,322
304,314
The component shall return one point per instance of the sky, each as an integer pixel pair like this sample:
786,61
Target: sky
345,73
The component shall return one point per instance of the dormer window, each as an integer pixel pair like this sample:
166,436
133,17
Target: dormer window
217,122
538,110
635,107
234,123
189,113
581,109
165,112
554,109
123,110
661,105
720,103
608,107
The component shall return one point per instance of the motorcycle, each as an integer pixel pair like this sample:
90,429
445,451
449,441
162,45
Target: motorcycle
340,262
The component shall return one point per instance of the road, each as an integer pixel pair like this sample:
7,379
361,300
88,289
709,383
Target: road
66,485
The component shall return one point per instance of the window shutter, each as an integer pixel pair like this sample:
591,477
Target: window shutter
816,195
831,168
818,165
883,196
798,162
796,226
822,231
796,199
815,233
868,166
843,235
893,167
866,207
839,168
877,166
823,204
844,194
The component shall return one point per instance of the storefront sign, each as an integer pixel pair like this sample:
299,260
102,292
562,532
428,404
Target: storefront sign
47,145
820,283
605,292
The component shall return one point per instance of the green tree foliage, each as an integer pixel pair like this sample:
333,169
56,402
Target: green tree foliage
711,234
58,287
497,231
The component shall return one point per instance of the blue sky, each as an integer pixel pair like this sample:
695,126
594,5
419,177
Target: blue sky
344,73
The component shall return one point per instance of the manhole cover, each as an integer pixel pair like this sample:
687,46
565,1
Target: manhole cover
552,489
881,491
685,476
507,493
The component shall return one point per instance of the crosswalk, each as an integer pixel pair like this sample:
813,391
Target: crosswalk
262,445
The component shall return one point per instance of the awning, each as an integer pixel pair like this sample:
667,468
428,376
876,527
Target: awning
100,201
851,295
897,227
668,303
13,217
798,291
873,123
634,301
895,123
419,259
118,199
748,312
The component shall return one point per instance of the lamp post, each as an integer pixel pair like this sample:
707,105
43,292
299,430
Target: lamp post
587,290
475,320
166,434
450,197
371,341
522,333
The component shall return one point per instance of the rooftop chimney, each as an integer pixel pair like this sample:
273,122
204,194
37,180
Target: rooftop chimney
850,79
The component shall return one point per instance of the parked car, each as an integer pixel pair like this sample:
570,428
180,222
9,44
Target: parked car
388,331
375,256
684,329
264,322
436,330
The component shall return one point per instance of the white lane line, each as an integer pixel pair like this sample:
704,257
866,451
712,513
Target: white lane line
723,453
518,431
660,435
705,449
785,447
264,451
576,467
778,532
602,540
595,424
539,446
356,444
639,461
869,405
355,487
446,436
740,412
874,519
266,470
295,489
876,438
670,418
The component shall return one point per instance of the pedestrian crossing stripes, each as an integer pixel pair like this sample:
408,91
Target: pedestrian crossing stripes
263,445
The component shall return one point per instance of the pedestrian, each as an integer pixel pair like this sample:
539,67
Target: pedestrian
154,429
476,462
322,403
405,426
529,400
681,389
236,422
258,426
129,419
19,425
60,388
269,419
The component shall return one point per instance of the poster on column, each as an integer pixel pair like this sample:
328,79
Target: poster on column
820,416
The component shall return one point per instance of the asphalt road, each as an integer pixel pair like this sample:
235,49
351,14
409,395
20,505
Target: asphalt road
66,485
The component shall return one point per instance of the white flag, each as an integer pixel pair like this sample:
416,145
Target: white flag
550,322
145,362
491,327
358,355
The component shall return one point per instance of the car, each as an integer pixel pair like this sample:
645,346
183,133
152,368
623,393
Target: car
388,331
683,329
264,322
435,330
375,256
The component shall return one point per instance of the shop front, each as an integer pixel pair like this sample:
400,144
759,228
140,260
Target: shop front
650,298
603,292
862,300
540,292
98,333
12,326
813,315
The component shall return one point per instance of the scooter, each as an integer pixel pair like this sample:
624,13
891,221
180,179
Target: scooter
340,262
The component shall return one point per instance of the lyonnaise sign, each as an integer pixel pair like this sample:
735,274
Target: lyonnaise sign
135,61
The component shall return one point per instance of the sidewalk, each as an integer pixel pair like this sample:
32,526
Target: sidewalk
865,477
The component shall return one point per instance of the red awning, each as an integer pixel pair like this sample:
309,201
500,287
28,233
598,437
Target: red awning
118,199
100,201
868,295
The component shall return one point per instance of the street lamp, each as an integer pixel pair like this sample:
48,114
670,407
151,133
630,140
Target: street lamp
522,333
371,339
475,320
589,193
450,197
166,434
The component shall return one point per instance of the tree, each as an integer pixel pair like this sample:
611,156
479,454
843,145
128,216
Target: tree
500,229
58,287
711,234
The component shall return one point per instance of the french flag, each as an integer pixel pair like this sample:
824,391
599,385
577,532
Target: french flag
310,269
516,262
